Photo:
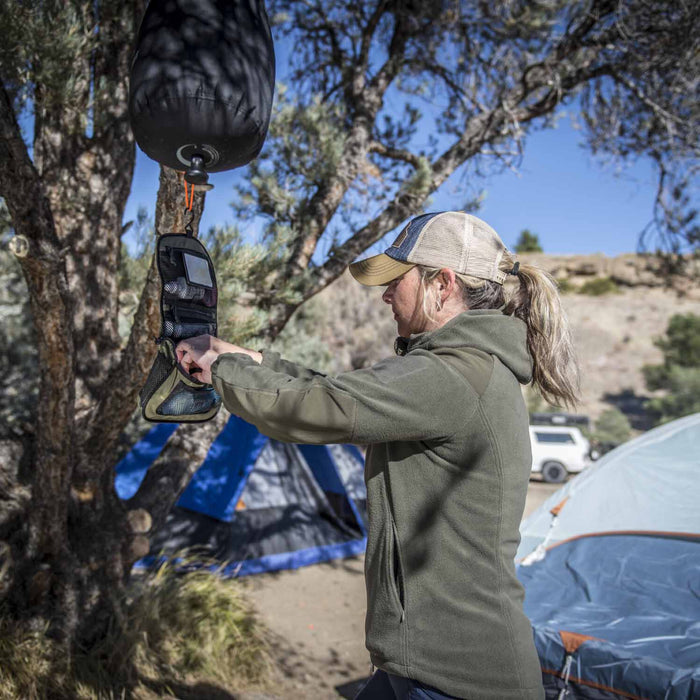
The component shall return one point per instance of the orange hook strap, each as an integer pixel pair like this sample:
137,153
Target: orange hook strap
189,196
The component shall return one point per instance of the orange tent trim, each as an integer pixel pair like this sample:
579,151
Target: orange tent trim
573,640
557,508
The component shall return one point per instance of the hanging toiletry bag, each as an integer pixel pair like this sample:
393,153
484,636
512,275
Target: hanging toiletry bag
188,308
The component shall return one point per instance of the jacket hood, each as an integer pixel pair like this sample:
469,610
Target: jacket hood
488,330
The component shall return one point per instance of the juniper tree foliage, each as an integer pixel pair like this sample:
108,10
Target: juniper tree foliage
387,100
678,375
612,427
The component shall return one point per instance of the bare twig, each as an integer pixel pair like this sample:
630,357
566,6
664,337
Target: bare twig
395,153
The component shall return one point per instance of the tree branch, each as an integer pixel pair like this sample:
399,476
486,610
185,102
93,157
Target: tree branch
319,210
639,93
444,75
358,82
391,67
486,128
112,413
18,177
330,30
573,60
169,475
395,153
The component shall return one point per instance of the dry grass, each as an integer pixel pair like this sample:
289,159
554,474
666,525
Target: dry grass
188,635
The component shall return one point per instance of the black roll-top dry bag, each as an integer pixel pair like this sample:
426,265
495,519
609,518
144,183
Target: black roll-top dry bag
202,81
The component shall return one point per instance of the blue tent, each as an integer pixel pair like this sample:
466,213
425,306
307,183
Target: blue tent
611,569
259,505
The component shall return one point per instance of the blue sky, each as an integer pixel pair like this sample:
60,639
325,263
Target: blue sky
574,204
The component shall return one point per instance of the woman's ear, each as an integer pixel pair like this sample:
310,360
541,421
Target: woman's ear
446,281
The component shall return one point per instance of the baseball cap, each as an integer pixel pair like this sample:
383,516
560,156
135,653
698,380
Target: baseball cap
454,239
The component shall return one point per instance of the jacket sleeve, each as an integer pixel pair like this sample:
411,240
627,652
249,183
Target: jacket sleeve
416,397
274,361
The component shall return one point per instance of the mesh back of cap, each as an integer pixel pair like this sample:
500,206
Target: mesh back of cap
461,242
485,252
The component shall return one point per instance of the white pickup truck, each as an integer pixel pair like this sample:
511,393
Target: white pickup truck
558,451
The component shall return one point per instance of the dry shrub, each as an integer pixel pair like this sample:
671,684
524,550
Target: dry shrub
197,623
182,630
599,286
27,662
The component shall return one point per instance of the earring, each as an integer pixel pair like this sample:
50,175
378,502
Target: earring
439,304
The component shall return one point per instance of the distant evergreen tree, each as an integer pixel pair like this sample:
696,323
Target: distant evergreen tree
612,427
528,242
679,373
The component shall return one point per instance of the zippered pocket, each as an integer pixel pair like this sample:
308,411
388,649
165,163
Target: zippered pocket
189,313
397,569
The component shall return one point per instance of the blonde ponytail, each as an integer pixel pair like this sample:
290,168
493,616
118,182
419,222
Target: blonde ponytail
537,302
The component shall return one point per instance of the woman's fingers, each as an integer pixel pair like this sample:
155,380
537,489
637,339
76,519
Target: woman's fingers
187,363
195,357
181,350
193,348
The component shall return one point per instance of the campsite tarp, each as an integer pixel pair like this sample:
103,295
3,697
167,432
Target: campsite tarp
257,504
611,569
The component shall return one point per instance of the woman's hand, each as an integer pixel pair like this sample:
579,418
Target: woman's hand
196,355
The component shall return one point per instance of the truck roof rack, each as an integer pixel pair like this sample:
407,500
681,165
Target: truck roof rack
560,419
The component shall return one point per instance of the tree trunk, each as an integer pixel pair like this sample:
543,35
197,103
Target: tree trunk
68,543
68,550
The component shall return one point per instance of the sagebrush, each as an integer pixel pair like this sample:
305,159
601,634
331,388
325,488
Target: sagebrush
182,630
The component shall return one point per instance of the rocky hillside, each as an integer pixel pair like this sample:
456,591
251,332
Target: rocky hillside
616,306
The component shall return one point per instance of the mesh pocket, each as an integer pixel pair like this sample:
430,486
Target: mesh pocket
160,370
188,401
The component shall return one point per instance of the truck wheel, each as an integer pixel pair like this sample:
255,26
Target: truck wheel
553,472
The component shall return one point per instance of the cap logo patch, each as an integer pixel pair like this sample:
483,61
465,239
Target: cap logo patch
400,238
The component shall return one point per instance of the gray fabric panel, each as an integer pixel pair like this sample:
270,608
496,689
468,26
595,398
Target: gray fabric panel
282,478
351,472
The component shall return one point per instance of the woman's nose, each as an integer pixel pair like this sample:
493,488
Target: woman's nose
386,296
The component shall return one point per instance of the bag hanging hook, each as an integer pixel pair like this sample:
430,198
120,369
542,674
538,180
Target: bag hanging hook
188,226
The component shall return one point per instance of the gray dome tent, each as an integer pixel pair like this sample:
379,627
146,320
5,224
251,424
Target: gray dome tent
611,569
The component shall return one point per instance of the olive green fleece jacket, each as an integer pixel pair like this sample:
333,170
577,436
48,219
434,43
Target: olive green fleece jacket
447,470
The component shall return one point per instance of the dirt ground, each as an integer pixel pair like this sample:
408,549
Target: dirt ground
316,616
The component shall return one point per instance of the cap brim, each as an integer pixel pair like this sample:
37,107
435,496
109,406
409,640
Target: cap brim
379,269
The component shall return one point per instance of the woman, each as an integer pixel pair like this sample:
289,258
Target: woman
448,461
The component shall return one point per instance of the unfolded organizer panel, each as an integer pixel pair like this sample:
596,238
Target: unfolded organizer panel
188,308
